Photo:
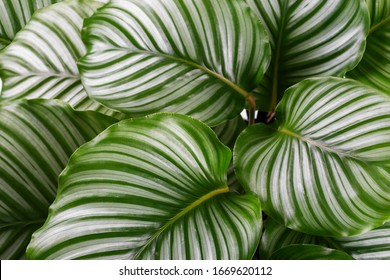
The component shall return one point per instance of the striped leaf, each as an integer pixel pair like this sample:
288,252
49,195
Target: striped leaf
41,61
149,188
373,245
37,138
374,69
195,57
309,38
324,167
14,14
309,252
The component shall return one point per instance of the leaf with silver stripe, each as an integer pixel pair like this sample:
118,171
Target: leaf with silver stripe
195,57
374,68
372,245
324,167
41,61
14,14
149,188
37,138
309,38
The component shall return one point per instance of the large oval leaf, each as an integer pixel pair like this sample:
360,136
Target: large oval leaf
37,138
309,252
14,14
309,38
372,245
150,188
196,57
324,167
41,61
374,69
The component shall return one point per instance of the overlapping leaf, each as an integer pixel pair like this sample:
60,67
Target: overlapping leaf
41,61
277,236
374,69
37,138
309,252
227,133
14,14
309,38
374,244
196,57
324,166
149,188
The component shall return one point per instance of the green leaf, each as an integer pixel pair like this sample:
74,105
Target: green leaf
195,57
227,133
372,245
277,236
41,61
309,252
37,138
14,14
374,69
323,168
309,38
149,188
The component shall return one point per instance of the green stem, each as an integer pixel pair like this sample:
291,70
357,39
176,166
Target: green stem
275,76
252,111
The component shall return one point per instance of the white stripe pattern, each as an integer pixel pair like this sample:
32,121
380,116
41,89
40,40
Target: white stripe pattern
37,138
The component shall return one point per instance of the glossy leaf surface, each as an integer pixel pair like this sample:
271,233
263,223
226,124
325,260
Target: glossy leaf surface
195,57
37,138
149,188
323,168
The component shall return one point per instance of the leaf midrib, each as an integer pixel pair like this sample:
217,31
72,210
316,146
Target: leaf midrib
182,213
379,25
219,77
49,74
5,40
317,144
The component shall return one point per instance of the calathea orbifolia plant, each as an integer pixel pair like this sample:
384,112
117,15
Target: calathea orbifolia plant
182,176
